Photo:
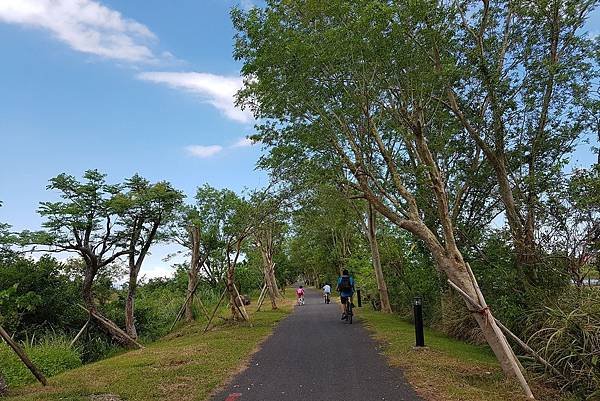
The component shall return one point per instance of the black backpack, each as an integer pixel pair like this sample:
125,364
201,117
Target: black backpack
345,284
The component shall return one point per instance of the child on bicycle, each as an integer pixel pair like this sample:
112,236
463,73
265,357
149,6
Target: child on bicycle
300,295
326,292
345,286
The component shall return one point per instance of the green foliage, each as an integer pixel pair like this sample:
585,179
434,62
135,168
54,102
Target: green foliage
567,334
52,356
37,295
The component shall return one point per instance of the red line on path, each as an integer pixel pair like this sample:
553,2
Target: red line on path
233,397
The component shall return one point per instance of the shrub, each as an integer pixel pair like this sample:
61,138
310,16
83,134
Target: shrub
52,356
567,334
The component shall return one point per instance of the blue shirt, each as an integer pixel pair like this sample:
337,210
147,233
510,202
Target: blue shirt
346,293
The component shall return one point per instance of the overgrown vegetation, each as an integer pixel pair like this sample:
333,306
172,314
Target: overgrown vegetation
188,364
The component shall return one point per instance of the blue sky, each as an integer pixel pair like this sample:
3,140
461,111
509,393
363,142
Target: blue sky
122,86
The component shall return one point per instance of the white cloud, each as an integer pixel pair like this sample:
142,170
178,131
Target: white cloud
85,25
203,152
217,90
243,143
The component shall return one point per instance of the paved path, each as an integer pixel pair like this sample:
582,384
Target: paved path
314,356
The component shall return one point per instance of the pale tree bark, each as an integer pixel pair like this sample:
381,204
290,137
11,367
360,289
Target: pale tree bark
135,265
264,242
406,215
381,284
194,235
236,306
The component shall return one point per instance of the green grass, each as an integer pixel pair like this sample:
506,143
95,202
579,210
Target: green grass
52,356
185,365
449,370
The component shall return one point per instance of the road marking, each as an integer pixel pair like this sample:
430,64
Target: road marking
233,396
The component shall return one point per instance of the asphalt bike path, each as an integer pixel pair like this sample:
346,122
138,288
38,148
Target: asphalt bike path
312,355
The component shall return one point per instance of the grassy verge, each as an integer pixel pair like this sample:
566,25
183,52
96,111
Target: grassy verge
450,370
185,365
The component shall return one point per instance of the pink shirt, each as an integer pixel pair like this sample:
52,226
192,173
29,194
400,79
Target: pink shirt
300,292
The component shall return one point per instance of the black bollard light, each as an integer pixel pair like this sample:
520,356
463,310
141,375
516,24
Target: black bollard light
359,298
418,310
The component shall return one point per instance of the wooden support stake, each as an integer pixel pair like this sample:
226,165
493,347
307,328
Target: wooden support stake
517,367
245,313
215,310
80,333
111,326
203,307
512,335
24,358
182,309
262,297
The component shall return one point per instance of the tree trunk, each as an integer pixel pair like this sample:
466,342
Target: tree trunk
460,273
192,282
193,273
233,299
268,273
24,358
381,284
88,282
130,303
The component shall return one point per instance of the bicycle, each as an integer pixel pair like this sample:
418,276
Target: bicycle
326,297
348,309
301,300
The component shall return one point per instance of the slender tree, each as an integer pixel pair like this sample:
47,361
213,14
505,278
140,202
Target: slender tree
144,208
523,74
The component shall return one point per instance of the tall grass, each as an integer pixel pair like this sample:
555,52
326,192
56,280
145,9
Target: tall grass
567,334
51,354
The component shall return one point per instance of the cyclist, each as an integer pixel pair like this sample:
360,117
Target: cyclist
300,295
326,292
345,286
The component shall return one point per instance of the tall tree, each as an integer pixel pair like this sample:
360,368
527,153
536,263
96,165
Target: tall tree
144,208
371,230
267,235
86,222
230,216
519,85
349,80
196,229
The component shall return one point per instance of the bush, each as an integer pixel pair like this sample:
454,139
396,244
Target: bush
567,334
52,356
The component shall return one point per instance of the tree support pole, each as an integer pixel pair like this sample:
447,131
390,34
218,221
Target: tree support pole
80,333
512,335
261,297
243,308
204,310
114,330
182,309
215,310
24,358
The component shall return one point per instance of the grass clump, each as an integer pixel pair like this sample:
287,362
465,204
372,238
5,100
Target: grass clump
567,334
52,356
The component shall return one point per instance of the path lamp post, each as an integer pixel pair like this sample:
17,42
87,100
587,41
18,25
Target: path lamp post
418,311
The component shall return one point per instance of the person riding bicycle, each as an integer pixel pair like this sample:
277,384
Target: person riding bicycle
326,292
345,286
300,295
